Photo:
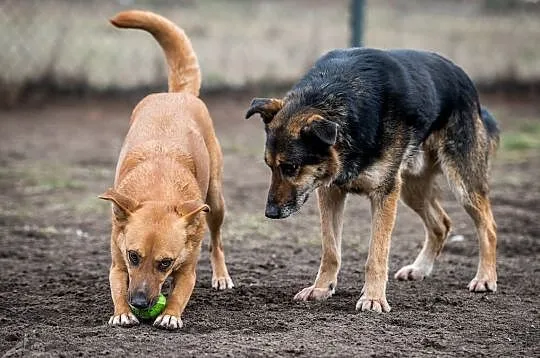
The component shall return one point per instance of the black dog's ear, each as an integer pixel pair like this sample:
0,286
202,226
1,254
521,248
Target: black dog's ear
266,107
322,129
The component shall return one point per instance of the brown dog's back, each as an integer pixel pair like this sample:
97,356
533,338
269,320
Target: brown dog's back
184,71
174,125
178,121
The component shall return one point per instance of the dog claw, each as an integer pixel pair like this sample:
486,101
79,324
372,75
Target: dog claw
483,285
222,283
410,273
168,322
379,305
123,320
312,293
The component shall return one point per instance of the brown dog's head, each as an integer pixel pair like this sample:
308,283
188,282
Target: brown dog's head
152,242
299,151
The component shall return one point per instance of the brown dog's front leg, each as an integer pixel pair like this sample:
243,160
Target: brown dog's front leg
118,278
331,206
183,283
383,216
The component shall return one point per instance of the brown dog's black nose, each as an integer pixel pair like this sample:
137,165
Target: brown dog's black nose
272,211
139,300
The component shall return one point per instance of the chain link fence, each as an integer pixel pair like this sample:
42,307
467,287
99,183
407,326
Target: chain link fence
69,44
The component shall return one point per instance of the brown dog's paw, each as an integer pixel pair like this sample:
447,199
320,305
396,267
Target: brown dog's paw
483,285
123,320
411,273
222,283
169,322
313,293
378,305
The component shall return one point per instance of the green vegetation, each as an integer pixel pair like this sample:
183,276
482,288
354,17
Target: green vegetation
525,138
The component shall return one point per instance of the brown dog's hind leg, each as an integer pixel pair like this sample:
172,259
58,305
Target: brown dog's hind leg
420,194
331,206
220,276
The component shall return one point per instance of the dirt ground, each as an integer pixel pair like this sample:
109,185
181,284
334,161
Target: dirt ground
54,254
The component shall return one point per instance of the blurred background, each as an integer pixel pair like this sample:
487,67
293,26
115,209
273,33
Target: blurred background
68,45
68,83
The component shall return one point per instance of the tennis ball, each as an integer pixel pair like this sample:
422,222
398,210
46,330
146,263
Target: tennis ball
152,312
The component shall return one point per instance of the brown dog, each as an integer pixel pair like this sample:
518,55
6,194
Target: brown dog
169,171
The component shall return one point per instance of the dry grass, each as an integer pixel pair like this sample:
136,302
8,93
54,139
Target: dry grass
239,42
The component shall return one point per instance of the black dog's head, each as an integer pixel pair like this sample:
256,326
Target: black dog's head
300,151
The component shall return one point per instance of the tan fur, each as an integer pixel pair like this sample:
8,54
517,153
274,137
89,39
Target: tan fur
331,207
168,173
184,72
383,212
296,125
374,176
421,193
480,211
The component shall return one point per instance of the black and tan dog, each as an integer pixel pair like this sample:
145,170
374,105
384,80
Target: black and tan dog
383,124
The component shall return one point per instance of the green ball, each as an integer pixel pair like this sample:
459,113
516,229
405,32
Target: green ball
152,312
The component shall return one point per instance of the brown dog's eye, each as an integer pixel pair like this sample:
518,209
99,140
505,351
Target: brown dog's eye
288,169
133,258
165,264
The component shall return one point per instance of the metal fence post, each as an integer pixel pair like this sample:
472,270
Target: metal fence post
357,22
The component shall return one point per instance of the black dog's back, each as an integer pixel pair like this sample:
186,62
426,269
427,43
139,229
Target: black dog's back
374,94
421,88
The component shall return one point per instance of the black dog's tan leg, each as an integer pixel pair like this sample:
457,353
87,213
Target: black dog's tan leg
220,275
467,174
479,208
118,278
182,288
420,194
383,216
331,206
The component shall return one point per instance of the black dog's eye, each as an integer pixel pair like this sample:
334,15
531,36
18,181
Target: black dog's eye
165,264
288,169
133,258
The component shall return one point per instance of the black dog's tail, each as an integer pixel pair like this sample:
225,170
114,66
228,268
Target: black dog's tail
492,128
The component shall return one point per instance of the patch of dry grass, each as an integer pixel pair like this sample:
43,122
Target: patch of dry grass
240,42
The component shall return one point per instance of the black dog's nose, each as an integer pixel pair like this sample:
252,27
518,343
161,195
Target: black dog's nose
272,211
139,300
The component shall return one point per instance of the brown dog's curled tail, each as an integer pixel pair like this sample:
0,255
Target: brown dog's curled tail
184,71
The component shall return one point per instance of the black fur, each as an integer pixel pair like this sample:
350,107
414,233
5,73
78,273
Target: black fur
401,117
491,124
384,104
374,94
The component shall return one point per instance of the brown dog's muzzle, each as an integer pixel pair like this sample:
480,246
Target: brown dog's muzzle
143,295
139,299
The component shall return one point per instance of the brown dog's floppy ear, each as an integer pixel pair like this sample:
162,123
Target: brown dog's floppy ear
266,107
123,206
189,209
322,130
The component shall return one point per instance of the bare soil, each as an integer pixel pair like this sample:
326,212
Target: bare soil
54,255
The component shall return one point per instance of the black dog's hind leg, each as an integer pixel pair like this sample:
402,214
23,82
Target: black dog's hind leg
420,193
464,156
